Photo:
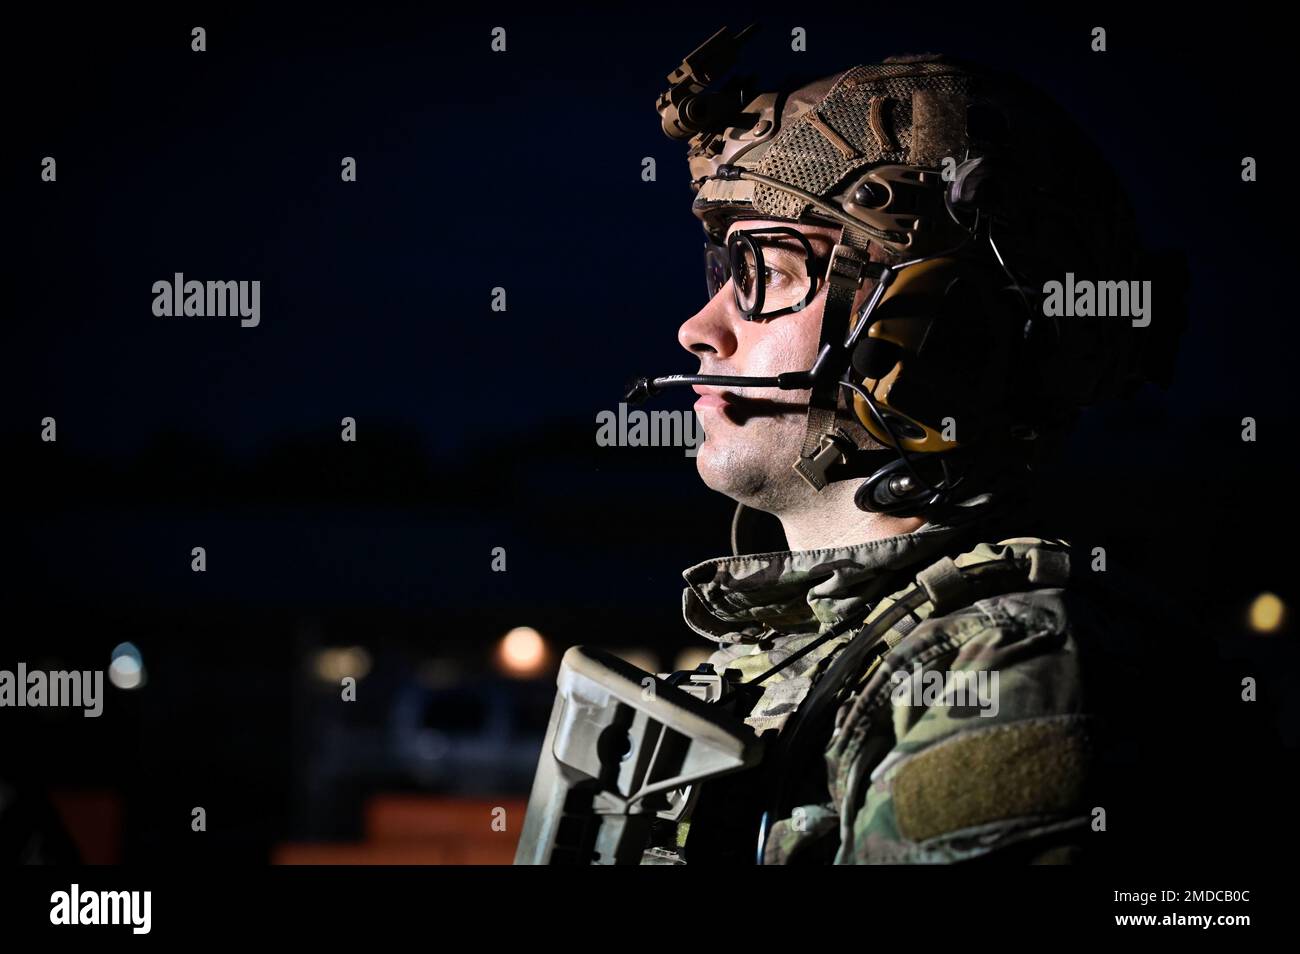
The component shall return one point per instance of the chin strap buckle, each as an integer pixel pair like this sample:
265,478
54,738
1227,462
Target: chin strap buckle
834,449
825,444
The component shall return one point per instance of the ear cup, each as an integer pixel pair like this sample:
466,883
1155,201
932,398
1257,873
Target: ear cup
976,183
893,490
967,182
934,358
873,357
881,357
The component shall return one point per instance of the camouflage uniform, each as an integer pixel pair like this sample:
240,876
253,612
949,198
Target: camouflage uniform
912,783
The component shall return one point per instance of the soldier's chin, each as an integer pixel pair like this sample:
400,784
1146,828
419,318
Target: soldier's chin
729,470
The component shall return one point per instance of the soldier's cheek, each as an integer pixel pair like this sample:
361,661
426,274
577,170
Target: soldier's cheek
788,343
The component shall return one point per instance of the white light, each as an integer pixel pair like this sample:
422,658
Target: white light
127,649
125,672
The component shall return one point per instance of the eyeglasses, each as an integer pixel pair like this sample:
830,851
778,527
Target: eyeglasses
773,271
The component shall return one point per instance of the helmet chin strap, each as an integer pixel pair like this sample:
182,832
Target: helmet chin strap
824,444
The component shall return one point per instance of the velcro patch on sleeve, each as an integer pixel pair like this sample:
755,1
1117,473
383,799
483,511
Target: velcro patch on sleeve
1030,767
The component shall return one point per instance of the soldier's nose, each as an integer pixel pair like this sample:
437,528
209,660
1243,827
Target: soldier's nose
710,330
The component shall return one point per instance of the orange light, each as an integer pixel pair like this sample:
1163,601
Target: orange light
1267,613
522,652
691,657
335,663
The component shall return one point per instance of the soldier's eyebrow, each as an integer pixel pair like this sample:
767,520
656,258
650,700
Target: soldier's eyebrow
821,244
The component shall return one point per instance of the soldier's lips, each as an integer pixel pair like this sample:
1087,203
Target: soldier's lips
712,397
710,400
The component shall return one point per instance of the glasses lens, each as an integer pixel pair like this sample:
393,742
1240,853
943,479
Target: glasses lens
745,269
716,272
785,277
769,271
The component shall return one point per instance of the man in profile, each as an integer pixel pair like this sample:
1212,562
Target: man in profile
878,385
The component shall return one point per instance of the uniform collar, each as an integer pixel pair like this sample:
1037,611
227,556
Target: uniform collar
756,596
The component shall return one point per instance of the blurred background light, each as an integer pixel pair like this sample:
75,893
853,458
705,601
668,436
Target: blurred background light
126,667
691,657
333,664
641,658
522,653
1267,613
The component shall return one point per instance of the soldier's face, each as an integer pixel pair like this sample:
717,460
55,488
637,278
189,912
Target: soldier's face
753,435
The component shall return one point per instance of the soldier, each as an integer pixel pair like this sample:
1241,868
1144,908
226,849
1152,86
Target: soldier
878,383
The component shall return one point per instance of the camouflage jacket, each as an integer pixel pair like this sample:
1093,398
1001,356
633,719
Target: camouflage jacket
967,737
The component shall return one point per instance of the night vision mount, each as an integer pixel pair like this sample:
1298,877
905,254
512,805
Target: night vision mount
688,109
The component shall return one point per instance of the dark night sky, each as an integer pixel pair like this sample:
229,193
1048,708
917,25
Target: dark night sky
479,169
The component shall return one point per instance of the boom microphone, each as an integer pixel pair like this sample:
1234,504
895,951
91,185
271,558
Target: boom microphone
643,388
